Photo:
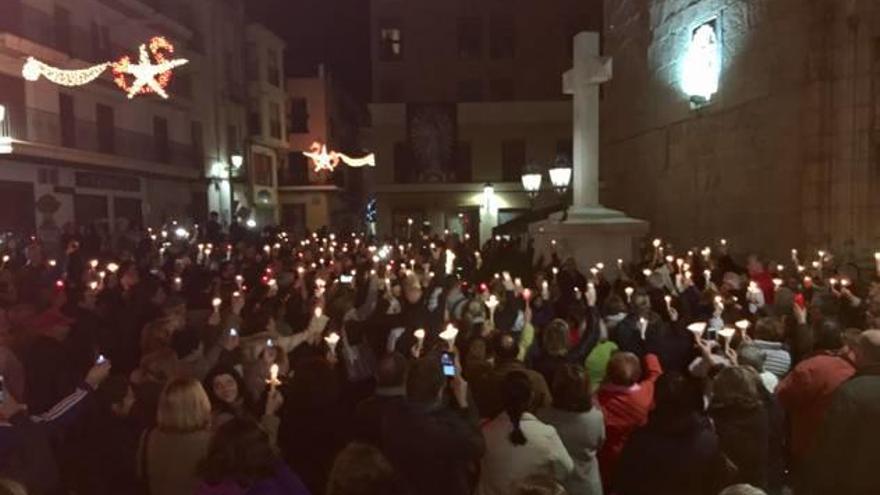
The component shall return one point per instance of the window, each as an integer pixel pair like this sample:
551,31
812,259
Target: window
253,62
100,42
262,169
463,168
106,128
501,89
68,120
390,91
565,148
197,138
275,129
513,159
470,37
255,119
502,37
403,163
297,171
470,90
160,140
233,145
299,115
62,29
390,41
273,73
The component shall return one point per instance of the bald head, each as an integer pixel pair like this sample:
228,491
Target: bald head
868,349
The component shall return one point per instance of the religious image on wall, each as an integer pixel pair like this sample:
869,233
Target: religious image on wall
702,69
432,132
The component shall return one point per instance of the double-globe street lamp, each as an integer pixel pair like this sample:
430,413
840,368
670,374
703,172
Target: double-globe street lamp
560,177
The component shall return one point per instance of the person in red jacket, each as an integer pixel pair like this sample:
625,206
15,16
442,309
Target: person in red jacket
806,392
625,402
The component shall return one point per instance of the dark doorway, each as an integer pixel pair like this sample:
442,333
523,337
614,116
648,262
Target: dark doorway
129,209
89,209
17,213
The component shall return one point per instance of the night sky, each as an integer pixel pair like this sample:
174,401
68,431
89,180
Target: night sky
335,32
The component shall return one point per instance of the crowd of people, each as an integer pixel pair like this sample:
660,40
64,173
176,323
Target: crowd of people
195,361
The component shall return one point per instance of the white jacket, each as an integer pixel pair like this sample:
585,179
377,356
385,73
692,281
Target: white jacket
506,464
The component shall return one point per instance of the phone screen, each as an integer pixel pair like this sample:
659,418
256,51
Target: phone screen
448,362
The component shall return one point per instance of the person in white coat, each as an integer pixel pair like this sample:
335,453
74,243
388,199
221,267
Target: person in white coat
580,425
518,445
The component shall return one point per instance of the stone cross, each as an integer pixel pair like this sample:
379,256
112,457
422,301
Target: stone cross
582,82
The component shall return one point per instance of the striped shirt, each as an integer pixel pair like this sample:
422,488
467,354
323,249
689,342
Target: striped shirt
778,359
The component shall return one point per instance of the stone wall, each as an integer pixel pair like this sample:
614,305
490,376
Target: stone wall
784,155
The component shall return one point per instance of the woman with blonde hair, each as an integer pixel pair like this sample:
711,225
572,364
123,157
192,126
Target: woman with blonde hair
168,454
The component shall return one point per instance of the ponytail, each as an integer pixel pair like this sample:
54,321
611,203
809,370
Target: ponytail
517,395
517,437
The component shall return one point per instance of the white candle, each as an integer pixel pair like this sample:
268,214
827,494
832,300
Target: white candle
668,300
726,333
449,334
273,377
742,324
629,292
697,328
216,302
331,341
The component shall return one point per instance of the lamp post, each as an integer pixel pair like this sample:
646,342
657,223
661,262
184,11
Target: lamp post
560,177
235,163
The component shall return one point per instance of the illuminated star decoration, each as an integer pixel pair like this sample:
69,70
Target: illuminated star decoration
148,77
329,160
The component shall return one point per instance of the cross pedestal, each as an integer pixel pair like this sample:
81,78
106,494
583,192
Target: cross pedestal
591,233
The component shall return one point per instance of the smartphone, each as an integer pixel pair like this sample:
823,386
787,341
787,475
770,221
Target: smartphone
345,279
447,360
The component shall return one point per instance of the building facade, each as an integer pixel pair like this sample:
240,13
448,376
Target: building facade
321,112
267,133
455,114
88,154
746,113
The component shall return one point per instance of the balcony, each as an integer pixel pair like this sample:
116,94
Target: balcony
46,128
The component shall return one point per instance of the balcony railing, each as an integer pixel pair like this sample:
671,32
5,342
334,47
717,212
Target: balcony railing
47,128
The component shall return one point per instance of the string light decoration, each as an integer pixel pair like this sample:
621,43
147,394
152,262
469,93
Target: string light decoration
33,69
149,77
329,160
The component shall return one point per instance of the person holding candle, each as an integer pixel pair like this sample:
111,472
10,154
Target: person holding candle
433,440
231,399
677,451
626,397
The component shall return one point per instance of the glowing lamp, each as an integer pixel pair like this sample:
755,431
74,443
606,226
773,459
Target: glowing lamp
560,177
237,161
531,182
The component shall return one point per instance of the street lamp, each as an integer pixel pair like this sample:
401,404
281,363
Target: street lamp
235,163
560,176
531,182
488,195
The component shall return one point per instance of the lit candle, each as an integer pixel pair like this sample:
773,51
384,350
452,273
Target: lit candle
420,339
178,284
697,328
545,290
742,324
93,264
629,292
273,380
239,280
331,341
449,335
726,333
668,300
600,266
777,282
216,302
657,243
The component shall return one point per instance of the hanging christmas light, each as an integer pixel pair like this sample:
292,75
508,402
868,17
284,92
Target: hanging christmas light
149,77
329,160
33,69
